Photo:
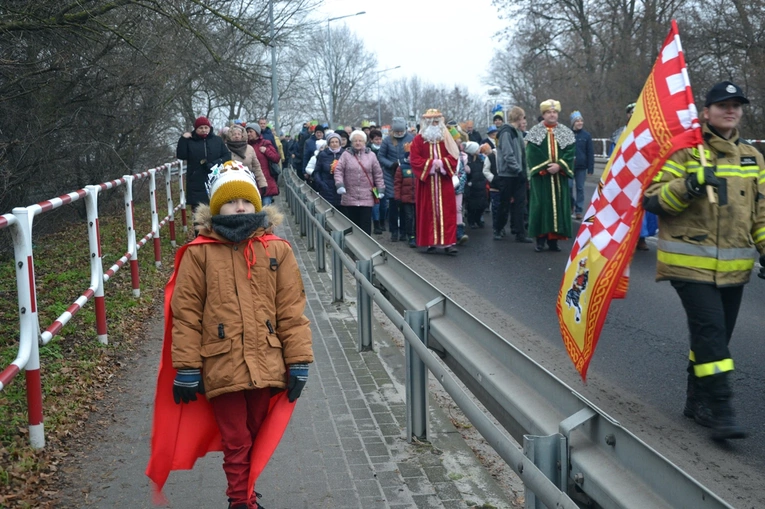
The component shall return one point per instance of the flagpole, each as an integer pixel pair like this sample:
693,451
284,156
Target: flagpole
710,194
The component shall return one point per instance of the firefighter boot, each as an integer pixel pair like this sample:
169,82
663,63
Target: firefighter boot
696,406
724,425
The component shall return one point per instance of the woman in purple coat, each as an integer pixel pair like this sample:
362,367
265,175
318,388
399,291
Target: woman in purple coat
359,182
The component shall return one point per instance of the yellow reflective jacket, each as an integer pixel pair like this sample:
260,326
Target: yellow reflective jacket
710,242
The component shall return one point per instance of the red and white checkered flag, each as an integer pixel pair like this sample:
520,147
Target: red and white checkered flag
665,120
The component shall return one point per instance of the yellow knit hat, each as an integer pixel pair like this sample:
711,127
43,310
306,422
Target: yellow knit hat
229,181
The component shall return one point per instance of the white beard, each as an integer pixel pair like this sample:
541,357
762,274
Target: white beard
433,134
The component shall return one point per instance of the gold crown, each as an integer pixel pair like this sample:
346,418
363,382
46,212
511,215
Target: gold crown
432,113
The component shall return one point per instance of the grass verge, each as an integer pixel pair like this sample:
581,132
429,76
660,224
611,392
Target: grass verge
75,368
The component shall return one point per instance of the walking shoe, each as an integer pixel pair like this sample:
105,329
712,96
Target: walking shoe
463,240
698,410
540,245
578,216
553,245
696,405
403,237
461,237
497,235
450,251
641,245
430,250
502,232
523,239
394,237
412,242
377,228
481,224
724,425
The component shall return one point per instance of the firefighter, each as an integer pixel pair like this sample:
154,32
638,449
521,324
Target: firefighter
706,250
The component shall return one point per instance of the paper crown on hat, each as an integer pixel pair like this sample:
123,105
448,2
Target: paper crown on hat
230,181
365,123
432,113
549,104
497,110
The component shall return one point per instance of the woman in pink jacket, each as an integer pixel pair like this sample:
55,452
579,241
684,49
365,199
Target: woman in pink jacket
359,181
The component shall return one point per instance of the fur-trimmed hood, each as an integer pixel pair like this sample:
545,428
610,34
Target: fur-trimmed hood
270,216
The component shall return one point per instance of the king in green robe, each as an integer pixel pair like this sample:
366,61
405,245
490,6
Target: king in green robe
550,154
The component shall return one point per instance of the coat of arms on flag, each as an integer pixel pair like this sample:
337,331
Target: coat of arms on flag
665,120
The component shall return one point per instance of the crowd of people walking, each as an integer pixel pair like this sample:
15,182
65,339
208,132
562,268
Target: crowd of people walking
427,184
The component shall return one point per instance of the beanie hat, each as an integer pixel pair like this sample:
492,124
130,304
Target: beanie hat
398,124
471,148
254,126
321,144
202,121
576,115
491,129
329,137
230,181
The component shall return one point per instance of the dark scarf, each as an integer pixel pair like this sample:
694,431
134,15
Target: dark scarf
239,227
238,147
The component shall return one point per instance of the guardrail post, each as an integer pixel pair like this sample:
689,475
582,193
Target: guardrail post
170,209
303,218
132,248
544,452
155,217
96,261
29,324
181,173
310,232
321,264
417,422
337,267
364,307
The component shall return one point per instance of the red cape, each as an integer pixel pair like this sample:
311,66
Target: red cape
182,433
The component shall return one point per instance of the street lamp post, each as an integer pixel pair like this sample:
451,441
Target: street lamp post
379,116
331,66
274,92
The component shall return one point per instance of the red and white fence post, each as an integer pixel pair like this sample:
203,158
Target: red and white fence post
132,247
155,216
96,261
181,173
170,209
29,325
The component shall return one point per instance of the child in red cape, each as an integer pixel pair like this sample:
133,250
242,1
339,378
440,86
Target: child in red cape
235,332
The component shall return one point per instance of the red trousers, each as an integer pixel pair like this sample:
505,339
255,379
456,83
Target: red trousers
239,416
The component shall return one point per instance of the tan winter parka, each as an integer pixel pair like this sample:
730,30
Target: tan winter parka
710,242
241,329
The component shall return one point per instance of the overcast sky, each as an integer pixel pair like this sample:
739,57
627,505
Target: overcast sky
394,31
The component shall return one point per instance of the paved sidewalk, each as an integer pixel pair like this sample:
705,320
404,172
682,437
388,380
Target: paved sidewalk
345,446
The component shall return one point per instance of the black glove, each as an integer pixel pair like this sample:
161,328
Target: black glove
394,166
696,181
762,267
298,376
263,191
188,382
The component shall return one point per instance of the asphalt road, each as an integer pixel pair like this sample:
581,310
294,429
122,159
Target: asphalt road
638,371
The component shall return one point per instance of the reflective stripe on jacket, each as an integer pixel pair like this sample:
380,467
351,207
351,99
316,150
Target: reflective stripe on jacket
711,242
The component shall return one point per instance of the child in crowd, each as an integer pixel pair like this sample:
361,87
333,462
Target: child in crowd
235,333
311,166
403,185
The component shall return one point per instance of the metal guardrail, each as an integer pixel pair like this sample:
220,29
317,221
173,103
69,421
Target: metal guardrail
572,449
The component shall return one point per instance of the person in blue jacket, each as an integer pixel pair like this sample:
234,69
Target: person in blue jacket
584,161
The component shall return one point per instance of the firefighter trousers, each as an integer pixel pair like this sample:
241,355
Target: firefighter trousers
711,313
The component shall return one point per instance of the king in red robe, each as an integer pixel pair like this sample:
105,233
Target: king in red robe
433,156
